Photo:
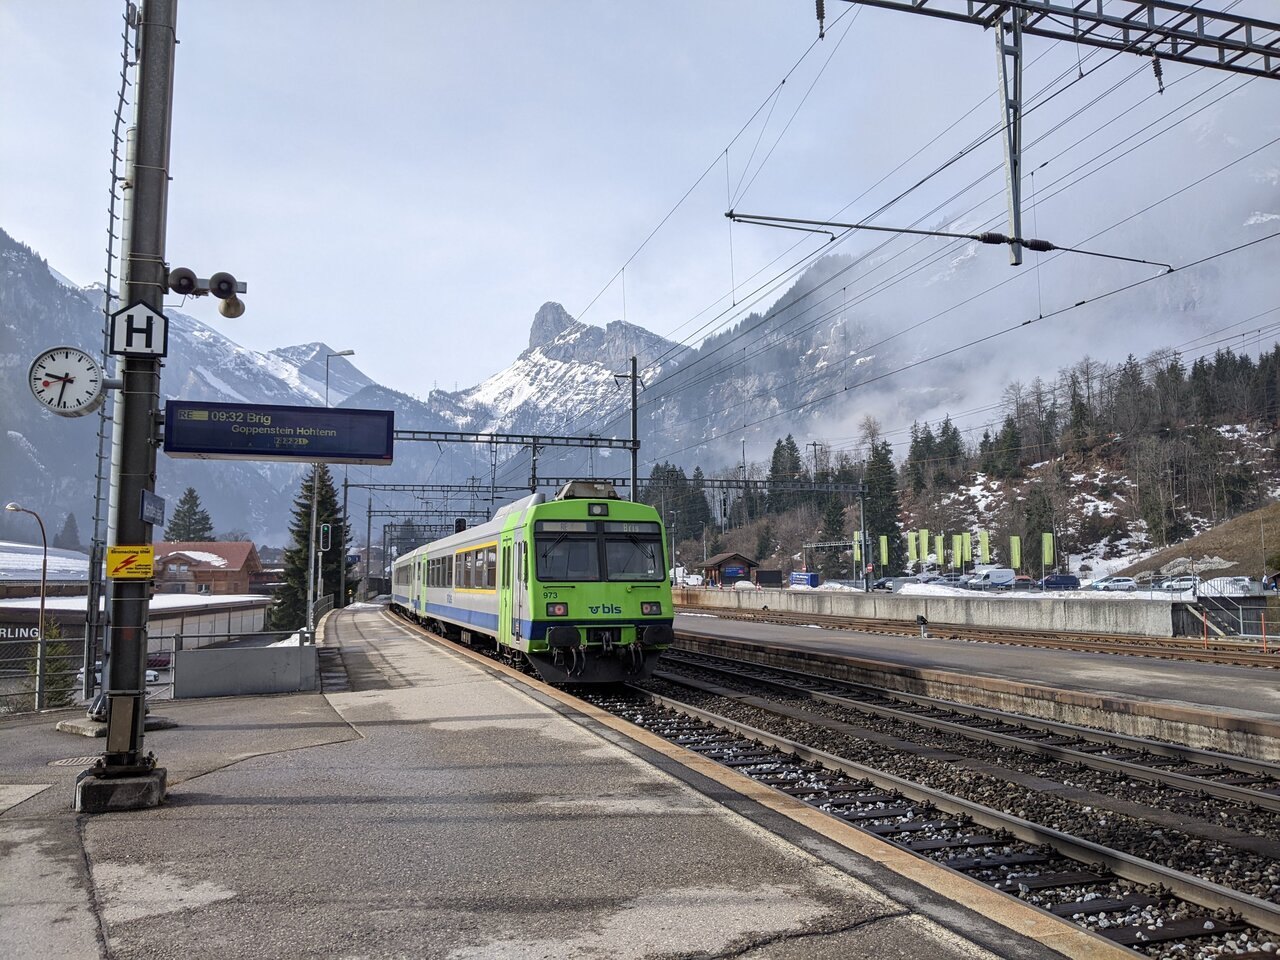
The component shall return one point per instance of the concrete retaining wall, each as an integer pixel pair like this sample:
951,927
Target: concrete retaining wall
240,671
1142,618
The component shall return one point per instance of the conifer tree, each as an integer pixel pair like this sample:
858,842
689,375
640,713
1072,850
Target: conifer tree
831,561
190,521
882,506
289,605
68,537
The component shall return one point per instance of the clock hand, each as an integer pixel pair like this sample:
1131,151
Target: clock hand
65,381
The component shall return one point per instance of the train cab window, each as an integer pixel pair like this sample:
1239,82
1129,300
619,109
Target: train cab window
563,558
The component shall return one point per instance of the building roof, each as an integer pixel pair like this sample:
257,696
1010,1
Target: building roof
720,558
230,555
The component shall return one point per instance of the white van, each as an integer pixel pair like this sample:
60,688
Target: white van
992,578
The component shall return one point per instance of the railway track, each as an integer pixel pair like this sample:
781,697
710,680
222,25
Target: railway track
1215,650
1155,910
1253,783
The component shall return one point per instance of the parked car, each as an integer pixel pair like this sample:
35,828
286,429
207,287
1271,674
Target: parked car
745,585
884,583
928,578
993,578
1180,584
1100,583
1120,584
152,675
956,579
1060,581
1023,582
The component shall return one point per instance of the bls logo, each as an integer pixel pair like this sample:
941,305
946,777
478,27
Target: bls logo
606,608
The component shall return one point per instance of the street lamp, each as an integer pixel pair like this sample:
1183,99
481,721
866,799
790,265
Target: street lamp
44,575
327,358
313,563
671,525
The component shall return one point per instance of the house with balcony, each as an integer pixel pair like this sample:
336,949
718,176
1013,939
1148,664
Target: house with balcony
213,567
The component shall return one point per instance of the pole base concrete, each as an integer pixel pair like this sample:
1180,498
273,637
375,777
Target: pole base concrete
97,794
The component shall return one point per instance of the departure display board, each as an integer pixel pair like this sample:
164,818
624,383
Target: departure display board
258,431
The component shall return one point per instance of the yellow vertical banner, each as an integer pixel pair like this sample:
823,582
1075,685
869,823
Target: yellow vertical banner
984,547
857,551
1046,548
966,542
957,551
884,550
1015,552
924,545
938,541
911,550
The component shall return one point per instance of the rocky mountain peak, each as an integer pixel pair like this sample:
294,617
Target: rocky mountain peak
549,322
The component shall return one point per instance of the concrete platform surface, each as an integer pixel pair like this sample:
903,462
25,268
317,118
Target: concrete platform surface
437,810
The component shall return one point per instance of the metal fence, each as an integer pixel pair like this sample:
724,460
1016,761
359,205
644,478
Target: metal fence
50,674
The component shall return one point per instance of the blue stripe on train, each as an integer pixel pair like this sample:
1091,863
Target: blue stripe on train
474,618
529,629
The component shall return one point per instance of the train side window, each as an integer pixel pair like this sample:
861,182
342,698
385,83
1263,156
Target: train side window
506,567
491,567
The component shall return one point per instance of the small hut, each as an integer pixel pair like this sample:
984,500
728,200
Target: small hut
726,569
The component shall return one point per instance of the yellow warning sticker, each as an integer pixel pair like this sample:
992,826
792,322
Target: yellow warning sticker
131,563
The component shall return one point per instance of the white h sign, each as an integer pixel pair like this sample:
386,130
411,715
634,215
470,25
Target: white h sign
139,331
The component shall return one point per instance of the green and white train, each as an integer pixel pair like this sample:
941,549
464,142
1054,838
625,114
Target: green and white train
577,585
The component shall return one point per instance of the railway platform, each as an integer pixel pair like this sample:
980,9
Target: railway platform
1210,705
443,807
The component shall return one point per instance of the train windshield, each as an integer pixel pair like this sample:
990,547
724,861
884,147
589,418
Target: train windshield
631,557
593,550
566,557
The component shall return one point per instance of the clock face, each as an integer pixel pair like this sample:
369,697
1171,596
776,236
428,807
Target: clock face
68,381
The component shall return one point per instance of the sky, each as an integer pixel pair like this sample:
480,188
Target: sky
412,180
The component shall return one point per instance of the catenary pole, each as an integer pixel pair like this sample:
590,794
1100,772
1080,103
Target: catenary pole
145,280
635,438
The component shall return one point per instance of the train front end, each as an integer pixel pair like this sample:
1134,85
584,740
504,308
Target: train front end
599,593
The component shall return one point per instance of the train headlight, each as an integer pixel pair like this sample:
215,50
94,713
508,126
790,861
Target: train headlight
651,609
557,609
597,509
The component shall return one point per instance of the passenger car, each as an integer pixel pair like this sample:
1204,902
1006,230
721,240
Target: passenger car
1023,582
1060,581
152,676
1119,584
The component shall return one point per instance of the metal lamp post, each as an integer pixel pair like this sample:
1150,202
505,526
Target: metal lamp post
44,576
671,525
313,566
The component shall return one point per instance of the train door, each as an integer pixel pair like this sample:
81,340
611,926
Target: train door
518,590
504,592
